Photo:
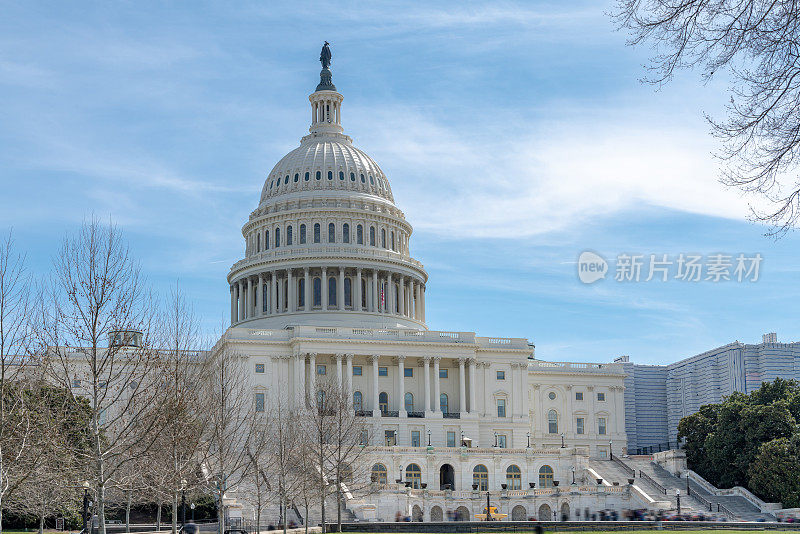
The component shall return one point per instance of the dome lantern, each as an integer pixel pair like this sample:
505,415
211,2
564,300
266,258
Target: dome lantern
326,103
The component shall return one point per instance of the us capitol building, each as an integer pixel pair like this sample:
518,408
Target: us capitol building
328,287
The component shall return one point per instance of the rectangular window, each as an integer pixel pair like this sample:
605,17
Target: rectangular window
383,371
442,373
408,372
259,368
259,402
579,395
322,370
390,438
76,383
501,441
356,370
601,426
501,375
415,438
501,407
451,438
364,437
579,425
601,397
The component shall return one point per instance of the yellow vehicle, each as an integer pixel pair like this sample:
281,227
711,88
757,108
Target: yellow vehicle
494,515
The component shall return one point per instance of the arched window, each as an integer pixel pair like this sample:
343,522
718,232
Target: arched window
306,177
352,177
363,293
409,402
341,175
319,175
444,403
258,242
513,477
414,475
371,180
266,240
383,238
286,180
296,177
277,237
316,233
317,292
348,292
393,247
331,233
480,476
288,235
378,474
360,234
302,234
332,291
330,175
358,404
362,179
552,422
320,400
345,233
383,402
301,292
372,236
546,477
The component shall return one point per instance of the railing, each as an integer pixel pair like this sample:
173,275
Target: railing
451,415
416,414
631,472
655,484
390,414
659,447
705,502
576,367
363,413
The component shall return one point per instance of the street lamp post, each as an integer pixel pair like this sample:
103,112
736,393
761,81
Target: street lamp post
488,508
610,450
678,498
429,438
495,439
573,475
562,441
529,440
192,506
86,507
183,503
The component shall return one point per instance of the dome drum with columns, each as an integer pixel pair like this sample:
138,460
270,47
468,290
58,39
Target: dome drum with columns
327,245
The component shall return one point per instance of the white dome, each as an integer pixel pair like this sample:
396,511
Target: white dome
326,162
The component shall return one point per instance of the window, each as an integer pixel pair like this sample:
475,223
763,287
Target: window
286,180
345,233
352,177
414,475
552,422
277,237
362,179
259,402
415,438
513,477
348,292
288,235
409,402
383,238
451,438
443,403
259,368
266,240
356,370
316,232
372,236
408,372
358,404
580,424
364,438
331,233
318,175
480,476
302,234
551,395
501,375
383,371
317,292
322,370
296,177
378,474
546,477
393,241
305,177
360,234
341,175
601,397
601,426
76,382
371,180
501,441
442,373
320,400
501,407
301,293
390,437
579,395
330,175
332,291
383,402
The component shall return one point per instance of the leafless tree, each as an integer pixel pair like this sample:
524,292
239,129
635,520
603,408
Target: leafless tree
97,326
756,44
229,405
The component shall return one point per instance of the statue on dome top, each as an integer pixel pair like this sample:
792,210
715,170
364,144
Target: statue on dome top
325,55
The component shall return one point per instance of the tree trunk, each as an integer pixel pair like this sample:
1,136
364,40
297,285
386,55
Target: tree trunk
158,515
221,514
174,513
338,506
41,523
128,513
101,507
306,518
285,513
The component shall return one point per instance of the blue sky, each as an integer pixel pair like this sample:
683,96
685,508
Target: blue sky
515,136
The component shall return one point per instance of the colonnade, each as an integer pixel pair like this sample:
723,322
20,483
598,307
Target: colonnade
326,289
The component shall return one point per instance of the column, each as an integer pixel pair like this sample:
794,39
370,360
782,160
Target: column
249,297
416,299
324,289
375,409
340,296
312,378
306,276
375,297
426,362
569,424
591,426
472,388
436,390
260,296
290,291
487,391
241,300
300,379
513,408
349,378
401,385
389,294
401,295
339,382
281,296
422,302
274,295
357,303
233,304
462,387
